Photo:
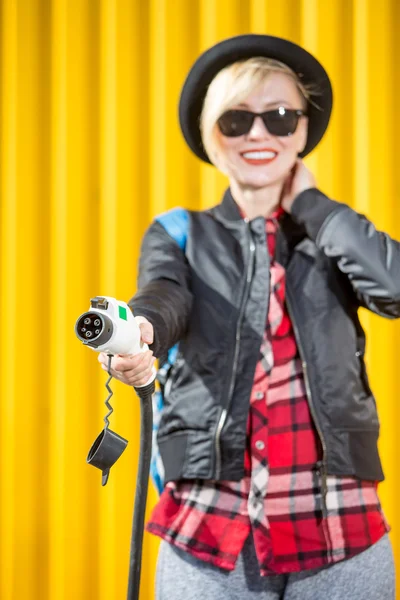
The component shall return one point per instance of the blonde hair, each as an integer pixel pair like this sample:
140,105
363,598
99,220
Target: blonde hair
232,85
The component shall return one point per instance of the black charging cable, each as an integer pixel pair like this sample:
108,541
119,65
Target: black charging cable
142,482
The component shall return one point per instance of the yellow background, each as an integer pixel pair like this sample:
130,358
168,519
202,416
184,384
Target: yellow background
90,152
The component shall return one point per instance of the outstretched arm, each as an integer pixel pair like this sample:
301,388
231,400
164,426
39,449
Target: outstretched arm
163,295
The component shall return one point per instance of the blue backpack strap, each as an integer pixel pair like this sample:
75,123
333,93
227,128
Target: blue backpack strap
176,223
156,464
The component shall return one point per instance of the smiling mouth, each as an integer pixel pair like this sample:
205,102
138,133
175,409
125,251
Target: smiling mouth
259,157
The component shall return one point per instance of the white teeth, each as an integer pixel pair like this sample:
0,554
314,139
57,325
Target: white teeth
259,155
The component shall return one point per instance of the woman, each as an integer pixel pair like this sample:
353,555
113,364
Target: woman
269,430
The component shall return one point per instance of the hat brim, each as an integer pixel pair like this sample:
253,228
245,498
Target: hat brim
242,47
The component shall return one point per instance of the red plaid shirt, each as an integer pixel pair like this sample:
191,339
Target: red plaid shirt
279,500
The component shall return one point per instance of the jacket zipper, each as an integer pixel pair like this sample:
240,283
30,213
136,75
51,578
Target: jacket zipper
324,483
224,413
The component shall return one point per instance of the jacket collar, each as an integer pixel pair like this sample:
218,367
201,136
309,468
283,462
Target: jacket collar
290,234
227,210
229,214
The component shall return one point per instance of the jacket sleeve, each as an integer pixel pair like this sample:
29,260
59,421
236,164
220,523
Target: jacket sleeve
163,295
369,258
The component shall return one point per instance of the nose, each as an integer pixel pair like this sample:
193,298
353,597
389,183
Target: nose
258,130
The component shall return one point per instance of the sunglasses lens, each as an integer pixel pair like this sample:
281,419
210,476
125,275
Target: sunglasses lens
235,122
281,122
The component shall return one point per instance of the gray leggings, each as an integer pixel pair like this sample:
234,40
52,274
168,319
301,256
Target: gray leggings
369,575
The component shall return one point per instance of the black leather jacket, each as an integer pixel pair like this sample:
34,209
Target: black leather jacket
213,298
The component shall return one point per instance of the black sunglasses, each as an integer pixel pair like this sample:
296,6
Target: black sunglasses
280,121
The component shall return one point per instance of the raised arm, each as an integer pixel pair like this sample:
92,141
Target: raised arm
369,258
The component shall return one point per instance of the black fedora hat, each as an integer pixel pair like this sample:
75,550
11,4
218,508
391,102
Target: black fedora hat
242,47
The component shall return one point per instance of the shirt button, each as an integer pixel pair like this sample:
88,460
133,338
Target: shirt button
259,395
260,445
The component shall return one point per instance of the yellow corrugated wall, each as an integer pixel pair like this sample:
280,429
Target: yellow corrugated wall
90,152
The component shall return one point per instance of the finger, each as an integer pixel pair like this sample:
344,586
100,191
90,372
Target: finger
144,378
287,185
146,332
103,358
138,371
137,377
137,362
133,377
105,361
111,372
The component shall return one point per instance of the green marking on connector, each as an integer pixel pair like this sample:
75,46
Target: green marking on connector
122,312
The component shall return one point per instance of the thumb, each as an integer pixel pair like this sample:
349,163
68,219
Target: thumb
146,330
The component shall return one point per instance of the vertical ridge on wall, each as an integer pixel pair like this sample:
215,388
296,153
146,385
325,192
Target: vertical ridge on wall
336,172
182,43
38,227
29,466
258,17
108,142
83,225
361,98
319,35
158,98
310,40
58,302
132,218
90,152
8,259
208,37
108,259
281,19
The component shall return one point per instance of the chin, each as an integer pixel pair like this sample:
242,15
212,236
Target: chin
257,183
263,178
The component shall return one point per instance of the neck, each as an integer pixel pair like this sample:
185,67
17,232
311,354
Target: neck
261,202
